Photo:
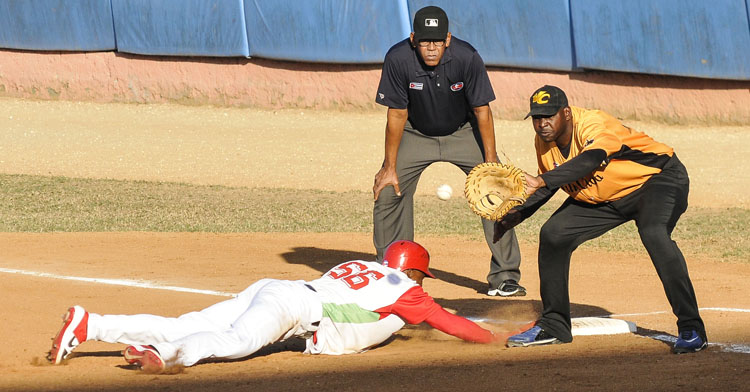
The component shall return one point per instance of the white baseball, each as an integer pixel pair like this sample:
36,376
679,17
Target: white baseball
444,192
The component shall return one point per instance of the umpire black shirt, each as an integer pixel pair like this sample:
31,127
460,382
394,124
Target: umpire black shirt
439,99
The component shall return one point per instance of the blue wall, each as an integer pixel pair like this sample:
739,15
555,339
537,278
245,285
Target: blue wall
513,33
183,28
698,38
671,37
329,31
80,25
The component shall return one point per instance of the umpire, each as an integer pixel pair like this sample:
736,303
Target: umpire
613,174
437,92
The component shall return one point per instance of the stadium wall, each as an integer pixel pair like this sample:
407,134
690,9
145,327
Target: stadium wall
254,82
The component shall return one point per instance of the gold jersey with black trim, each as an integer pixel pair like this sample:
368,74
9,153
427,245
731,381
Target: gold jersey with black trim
632,156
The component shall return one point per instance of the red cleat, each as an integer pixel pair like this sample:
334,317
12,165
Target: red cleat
73,333
145,357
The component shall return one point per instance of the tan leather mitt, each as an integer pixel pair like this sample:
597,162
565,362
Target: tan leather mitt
493,189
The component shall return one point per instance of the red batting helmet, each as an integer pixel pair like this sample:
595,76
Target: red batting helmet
404,255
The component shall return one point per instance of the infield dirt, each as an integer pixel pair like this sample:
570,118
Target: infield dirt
336,151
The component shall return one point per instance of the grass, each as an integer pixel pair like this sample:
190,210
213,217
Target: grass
46,204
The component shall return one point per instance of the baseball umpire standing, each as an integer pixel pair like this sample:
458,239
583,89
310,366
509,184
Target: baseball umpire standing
437,92
613,175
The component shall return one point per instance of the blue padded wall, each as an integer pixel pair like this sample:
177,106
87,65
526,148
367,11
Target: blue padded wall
65,25
698,38
516,33
331,31
181,27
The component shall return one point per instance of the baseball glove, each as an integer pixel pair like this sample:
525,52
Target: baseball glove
493,189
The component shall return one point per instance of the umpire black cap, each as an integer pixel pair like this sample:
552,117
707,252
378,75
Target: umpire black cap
430,23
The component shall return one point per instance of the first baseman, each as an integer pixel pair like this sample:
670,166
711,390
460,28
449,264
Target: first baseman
354,306
613,174
437,92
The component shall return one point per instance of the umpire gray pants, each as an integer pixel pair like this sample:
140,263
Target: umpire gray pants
393,216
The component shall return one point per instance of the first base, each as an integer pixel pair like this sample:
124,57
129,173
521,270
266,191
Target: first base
600,326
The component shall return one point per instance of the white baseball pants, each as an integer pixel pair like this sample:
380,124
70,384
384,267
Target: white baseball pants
266,312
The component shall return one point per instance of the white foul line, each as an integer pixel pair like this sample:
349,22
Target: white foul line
117,282
149,285
735,310
739,348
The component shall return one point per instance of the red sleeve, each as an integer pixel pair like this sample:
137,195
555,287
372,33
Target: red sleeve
459,327
416,306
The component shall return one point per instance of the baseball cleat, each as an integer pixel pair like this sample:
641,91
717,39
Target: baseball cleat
145,357
689,342
536,336
509,288
72,333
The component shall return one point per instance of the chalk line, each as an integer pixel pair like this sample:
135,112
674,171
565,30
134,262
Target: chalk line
730,347
117,282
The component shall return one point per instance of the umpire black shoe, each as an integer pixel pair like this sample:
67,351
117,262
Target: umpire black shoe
509,288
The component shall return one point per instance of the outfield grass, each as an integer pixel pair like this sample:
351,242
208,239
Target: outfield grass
45,204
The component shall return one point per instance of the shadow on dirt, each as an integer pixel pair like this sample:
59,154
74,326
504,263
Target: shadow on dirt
324,259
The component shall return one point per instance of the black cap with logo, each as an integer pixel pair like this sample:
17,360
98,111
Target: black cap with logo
546,101
430,23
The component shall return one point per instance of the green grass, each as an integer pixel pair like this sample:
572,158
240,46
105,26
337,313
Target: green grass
46,204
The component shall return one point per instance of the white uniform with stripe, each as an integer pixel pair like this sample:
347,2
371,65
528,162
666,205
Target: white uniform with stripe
350,293
337,317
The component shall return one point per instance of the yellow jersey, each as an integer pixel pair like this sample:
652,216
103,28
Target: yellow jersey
632,157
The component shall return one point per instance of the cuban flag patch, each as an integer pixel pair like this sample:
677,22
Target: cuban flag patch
416,86
457,86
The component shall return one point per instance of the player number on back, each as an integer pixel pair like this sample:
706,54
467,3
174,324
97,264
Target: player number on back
354,274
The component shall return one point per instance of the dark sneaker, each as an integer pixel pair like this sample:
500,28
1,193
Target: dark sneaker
509,288
73,332
145,357
535,336
688,342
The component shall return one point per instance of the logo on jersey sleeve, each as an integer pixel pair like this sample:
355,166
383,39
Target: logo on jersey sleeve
457,86
416,86
381,95
541,97
588,143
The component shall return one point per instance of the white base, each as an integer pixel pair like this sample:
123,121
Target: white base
601,326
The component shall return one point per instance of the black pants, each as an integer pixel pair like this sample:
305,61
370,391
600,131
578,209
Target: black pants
655,207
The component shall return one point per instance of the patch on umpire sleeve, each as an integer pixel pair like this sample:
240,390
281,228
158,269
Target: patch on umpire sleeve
416,86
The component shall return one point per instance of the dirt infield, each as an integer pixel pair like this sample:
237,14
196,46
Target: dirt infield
243,147
601,284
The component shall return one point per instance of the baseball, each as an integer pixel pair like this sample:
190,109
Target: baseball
444,192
